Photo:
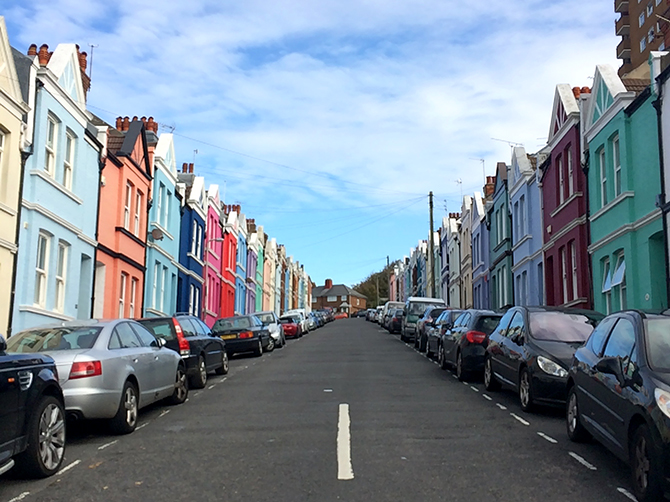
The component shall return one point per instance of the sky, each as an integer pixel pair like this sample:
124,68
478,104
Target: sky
330,121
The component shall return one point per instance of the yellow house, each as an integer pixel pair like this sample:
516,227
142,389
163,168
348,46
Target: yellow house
12,109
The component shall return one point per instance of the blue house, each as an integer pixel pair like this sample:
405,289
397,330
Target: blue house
59,215
164,228
191,241
524,194
480,253
241,268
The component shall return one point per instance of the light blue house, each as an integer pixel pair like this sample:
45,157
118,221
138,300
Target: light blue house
163,240
241,268
480,254
527,260
59,213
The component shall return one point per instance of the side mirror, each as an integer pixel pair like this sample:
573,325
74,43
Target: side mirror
3,344
161,342
609,366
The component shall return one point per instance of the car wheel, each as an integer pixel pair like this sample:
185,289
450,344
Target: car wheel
403,338
258,351
645,464
180,387
576,431
461,374
490,381
199,380
125,420
223,369
525,391
46,439
441,357
271,345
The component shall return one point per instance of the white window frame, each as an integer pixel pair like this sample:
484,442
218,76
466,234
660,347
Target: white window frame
3,192
564,274
650,35
122,295
154,287
133,296
166,218
603,178
138,206
608,293
50,146
641,19
194,234
191,300
68,161
61,276
561,181
643,43
571,175
573,258
650,9
163,281
616,159
522,215
159,205
42,270
126,206
198,243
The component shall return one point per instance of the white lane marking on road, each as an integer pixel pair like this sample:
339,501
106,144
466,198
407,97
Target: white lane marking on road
454,376
344,468
328,390
19,497
212,386
187,399
501,406
548,438
487,397
474,388
141,426
582,461
465,383
68,467
524,422
163,413
623,491
108,445
436,363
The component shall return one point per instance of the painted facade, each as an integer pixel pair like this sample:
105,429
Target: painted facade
567,276
500,248
661,73
213,257
627,241
230,232
61,180
241,266
528,263
480,253
465,240
270,275
252,265
260,268
14,148
454,254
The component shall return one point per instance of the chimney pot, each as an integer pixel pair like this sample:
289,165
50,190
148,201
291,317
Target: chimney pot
190,167
32,50
126,123
576,91
44,55
82,59
586,90
119,121
184,167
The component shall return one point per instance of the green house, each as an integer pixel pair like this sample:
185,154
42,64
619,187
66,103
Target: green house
626,233
498,221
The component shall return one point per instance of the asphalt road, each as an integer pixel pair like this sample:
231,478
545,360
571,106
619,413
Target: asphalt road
346,413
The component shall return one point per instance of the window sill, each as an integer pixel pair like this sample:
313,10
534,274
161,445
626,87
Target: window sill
56,185
162,229
565,203
618,199
35,309
131,236
194,257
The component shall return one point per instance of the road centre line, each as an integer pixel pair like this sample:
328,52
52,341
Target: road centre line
548,438
623,491
19,497
141,426
524,422
211,386
344,469
454,376
501,406
163,413
68,467
464,383
108,444
582,461
487,397
474,388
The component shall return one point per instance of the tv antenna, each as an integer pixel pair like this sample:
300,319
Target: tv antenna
90,66
511,144
483,167
460,183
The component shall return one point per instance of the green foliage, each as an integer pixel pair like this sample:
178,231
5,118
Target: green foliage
368,286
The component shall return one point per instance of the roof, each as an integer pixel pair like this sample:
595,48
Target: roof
636,85
336,290
115,141
22,64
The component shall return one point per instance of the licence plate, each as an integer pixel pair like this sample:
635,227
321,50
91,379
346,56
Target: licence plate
227,337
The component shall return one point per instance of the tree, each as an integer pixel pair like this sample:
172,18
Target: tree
368,286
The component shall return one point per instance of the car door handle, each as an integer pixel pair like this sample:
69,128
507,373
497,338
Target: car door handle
156,358
135,360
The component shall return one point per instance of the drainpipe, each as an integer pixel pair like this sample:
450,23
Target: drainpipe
101,166
661,202
589,262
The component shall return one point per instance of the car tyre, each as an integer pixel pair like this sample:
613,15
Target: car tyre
645,465
461,373
223,369
46,439
441,357
490,381
180,393
199,380
258,351
576,431
271,345
526,391
125,420
429,353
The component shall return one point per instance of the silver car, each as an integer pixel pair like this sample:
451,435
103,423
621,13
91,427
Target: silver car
271,321
108,369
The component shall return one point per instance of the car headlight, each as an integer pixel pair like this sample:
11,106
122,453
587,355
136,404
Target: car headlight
550,367
663,401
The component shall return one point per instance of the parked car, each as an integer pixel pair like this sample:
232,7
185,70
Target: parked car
341,315
291,326
271,322
441,325
108,369
244,333
414,308
531,350
395,323
303,318
387,312
360,313
619,393
187,335
369,314
463,346
311,323
32,413
426,322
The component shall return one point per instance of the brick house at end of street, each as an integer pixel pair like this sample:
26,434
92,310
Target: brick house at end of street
339,297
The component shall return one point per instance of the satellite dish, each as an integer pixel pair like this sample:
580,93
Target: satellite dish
157,234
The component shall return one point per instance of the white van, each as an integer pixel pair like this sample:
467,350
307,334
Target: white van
389,306
414,308
304,322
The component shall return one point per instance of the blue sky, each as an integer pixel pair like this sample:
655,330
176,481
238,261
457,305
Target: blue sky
330,121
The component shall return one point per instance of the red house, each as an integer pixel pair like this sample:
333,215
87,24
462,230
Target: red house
564,193
230,221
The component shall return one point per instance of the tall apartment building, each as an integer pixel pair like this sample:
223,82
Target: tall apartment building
642,27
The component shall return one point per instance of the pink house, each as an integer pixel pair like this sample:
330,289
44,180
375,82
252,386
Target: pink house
213,258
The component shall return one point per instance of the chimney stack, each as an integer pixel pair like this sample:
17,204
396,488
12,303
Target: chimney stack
490,186
32,50
184,167
44,55
190,168
329,283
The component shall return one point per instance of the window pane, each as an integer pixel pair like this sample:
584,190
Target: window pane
127,336
621,341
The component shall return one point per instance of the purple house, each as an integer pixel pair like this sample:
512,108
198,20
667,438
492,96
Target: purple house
252,264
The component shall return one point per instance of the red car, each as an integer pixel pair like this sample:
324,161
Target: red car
292,327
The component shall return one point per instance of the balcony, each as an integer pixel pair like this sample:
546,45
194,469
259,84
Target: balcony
621,6
622,25
623,49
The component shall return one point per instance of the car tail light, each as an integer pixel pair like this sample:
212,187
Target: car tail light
395,319
184,346
475,336
85,369
246,334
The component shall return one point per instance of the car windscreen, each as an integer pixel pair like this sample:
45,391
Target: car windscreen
266,318
57,338
658,344
232,323
417,309
398,313
487,323
561,326
162,328
435,313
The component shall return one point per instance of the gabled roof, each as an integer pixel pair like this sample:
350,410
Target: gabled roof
22,65
132,145
478,212
521,165
64,64
606,87
9,81
565,106
165,152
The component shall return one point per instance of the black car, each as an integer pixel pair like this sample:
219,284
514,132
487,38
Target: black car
244,333
531,350
426,322
463,346
32,414
619,393
395,323
201,351
440,326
